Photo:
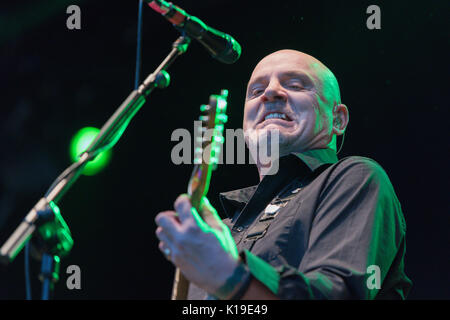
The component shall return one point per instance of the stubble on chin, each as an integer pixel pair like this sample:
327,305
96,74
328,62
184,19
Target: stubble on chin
264,148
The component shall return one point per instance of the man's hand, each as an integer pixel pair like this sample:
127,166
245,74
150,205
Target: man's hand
205,252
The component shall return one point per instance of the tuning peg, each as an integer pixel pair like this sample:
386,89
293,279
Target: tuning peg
205,108
222,104
223,118
203,118
219,127
224,93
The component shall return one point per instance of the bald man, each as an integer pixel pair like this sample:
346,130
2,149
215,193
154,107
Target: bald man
317,228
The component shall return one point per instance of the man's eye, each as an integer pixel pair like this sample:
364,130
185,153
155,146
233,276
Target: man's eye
256,91
295,85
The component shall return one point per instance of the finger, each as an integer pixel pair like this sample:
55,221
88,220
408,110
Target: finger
165,249
164,237
168,222
183,208
168,213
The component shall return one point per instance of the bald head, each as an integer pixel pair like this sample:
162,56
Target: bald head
303,96
324,80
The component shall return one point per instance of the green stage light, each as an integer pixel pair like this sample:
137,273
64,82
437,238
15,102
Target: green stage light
79,144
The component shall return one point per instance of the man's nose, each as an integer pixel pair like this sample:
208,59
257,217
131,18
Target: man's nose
274,91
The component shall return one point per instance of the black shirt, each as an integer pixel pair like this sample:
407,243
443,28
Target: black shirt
321,229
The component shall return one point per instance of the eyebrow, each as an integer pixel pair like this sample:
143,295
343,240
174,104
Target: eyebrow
300,75
304,77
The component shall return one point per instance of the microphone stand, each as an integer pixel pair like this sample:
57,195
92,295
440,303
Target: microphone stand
53,238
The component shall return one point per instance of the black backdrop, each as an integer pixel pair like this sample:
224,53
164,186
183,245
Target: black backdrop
55,81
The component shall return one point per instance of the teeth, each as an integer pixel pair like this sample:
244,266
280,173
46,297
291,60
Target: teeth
275,115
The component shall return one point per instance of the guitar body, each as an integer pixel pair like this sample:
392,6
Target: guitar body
205,159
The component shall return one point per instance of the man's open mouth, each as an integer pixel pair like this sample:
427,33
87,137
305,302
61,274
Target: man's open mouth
275,115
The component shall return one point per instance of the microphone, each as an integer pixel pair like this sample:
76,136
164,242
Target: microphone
220,45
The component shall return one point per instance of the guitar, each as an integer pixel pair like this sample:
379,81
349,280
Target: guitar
206,157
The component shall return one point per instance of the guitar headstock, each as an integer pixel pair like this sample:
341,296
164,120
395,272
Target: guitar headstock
208,147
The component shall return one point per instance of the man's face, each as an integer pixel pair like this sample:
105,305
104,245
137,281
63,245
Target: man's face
285,93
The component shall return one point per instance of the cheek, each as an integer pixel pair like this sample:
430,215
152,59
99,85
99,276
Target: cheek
245,121
250,112
307,111
312,110
324,120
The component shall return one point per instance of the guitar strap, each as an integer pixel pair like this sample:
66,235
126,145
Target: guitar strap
259,229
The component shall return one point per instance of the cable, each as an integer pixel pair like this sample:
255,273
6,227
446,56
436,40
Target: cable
138,46
73,167
27,271
342,143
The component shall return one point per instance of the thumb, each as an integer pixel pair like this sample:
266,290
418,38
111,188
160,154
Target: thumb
205,205
210,214
183,207
223,233
187,213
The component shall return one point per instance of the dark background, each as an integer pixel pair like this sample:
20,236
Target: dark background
55,81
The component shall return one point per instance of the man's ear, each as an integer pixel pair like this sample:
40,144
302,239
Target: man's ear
340,119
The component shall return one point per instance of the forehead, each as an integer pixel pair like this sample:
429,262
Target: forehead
286,62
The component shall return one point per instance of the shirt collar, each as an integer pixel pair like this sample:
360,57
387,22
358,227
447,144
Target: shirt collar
317,157
293,165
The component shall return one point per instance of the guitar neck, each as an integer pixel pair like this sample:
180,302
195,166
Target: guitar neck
201,175
180,288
